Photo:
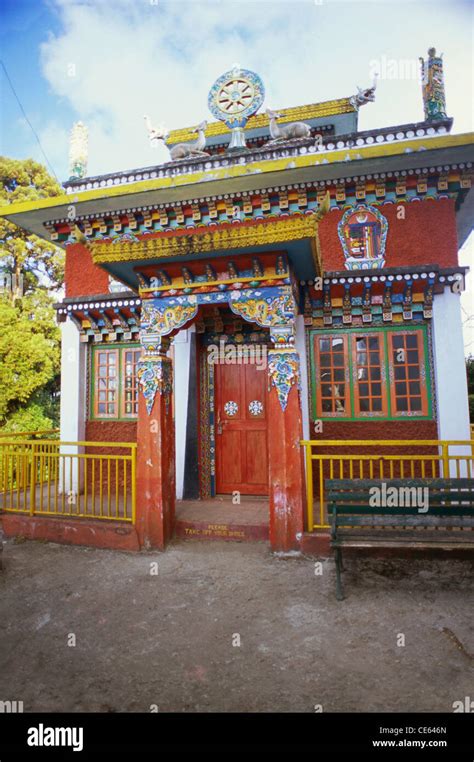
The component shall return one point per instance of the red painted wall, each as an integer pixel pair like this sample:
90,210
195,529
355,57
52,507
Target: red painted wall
377,430
82,276
426,236
111,431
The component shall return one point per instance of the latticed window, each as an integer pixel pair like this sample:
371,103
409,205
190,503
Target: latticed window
106,383
376,374
114,387
408,387
130,386
333,387
369,374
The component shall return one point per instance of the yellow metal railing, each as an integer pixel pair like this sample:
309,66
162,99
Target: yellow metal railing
392,459
71,479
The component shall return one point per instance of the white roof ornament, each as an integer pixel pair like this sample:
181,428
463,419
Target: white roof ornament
364,95
155,134
78,151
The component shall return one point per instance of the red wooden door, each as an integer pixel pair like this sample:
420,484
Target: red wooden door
241,429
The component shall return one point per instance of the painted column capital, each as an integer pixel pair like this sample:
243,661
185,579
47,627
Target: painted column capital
154,368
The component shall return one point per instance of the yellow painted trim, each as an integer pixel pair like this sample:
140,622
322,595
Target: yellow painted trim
238,236
242,170
295,113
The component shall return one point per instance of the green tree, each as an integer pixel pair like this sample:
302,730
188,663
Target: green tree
33,262
29,336
29,362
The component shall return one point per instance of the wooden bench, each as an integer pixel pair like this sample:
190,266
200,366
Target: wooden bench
361,517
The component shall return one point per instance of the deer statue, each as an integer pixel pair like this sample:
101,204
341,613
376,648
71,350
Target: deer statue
287,131
364,95
155,133
193,148
180,150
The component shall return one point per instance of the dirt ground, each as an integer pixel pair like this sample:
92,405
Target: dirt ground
171,639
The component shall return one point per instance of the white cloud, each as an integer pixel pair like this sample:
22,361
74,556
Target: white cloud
130,57
133,57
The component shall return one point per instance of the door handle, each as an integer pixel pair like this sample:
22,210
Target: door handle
219,423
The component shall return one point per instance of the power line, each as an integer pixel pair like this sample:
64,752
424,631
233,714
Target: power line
28,121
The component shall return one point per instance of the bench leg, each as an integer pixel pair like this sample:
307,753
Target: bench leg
338,560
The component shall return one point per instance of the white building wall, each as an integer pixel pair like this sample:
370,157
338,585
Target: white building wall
450,372
300,345
73,403
182,356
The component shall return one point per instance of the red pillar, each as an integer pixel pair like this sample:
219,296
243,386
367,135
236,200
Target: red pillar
286,468
156,495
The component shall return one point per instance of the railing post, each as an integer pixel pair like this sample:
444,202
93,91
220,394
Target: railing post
32,480
309,486
445,447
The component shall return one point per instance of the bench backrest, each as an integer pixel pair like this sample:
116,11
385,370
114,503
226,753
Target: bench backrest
397,502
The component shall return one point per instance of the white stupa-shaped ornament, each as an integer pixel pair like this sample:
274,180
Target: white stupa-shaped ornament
78,150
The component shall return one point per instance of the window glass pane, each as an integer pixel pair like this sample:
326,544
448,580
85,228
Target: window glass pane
407,366
129,402
105,383
331,363
368,397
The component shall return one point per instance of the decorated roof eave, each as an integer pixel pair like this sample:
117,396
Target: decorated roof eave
296,236
330,275
259,121
334,165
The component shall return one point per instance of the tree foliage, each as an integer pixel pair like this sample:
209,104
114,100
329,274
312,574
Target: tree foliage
39,262
29,336
29,352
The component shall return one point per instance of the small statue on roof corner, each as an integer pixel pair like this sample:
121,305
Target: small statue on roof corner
364,95
179,151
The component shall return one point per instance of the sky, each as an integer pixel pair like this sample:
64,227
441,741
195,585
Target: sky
109,62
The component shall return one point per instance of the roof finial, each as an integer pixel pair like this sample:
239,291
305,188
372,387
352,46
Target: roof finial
78,150
432,76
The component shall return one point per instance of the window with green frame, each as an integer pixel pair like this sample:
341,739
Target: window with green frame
370,373
114,387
